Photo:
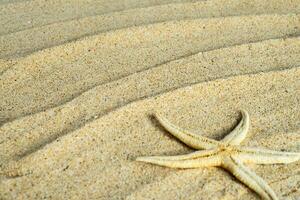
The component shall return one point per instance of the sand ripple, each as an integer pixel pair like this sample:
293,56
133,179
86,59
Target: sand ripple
57,33
78,85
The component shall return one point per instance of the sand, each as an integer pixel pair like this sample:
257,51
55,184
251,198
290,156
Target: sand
80,81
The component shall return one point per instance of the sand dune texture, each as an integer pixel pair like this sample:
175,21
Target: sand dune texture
79,81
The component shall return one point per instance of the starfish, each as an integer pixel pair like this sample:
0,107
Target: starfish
226,153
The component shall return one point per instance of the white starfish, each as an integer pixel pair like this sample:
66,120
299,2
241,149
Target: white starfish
225,153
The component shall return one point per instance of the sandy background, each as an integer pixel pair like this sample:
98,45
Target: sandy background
79,81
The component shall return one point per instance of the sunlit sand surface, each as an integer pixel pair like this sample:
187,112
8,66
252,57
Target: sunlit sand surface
79,83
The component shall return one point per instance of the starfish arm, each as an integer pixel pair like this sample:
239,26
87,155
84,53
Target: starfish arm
191,139
205,158
265,156
238,134
249,178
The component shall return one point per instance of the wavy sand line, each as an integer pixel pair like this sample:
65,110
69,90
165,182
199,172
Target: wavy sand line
55,52
105,141
79,118
154,8
210,9
296,43
41,72
15,17
290,46
294,52
47,36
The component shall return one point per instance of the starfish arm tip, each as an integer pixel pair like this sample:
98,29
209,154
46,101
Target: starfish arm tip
245,115
148,159
265,156
156,160
244,111
157,115
141,159
239,133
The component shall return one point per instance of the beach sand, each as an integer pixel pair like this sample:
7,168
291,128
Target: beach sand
80,81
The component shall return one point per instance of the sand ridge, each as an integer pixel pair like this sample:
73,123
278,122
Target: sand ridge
56,33
78,85
163,43
16,16
197,68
